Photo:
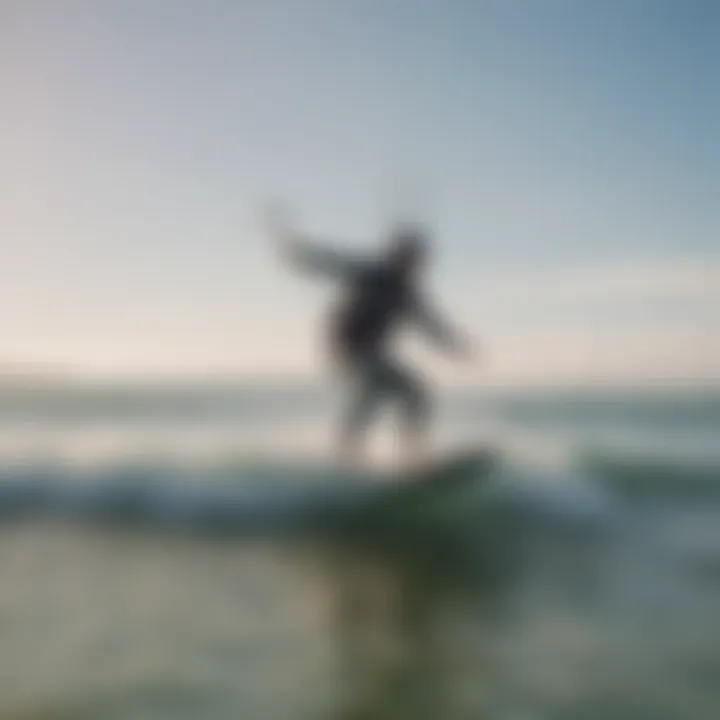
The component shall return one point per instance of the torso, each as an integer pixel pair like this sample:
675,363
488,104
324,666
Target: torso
375,302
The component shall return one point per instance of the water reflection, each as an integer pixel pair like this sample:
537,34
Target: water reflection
401,637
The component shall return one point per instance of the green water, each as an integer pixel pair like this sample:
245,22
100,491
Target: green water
116,624
525,609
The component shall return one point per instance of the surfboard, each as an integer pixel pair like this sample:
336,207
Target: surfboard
420,499
452,470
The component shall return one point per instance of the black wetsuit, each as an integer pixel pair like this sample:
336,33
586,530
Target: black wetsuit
377,299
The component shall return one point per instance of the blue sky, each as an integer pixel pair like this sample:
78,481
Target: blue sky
565,152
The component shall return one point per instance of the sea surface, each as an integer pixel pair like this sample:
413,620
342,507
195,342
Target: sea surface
161,557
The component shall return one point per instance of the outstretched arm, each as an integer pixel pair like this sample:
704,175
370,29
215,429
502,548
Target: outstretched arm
309,255
440,331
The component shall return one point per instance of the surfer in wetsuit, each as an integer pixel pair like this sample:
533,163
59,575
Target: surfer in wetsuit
380,295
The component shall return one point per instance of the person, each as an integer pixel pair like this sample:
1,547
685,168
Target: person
381,294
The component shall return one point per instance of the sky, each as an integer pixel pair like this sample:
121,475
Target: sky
565,153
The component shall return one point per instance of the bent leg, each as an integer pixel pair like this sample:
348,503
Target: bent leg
412,394
366,393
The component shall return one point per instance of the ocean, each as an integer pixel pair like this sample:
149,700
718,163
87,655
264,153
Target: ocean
160,558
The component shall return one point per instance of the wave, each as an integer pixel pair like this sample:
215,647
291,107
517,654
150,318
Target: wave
652,475
278,498
670,409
